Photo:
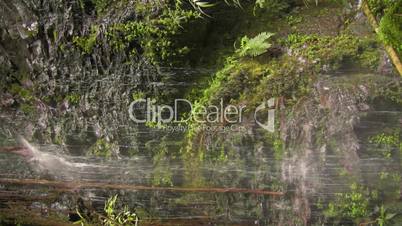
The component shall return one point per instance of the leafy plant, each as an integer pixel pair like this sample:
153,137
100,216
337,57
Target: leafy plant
255,46
73,98
351,205
384,217
391,139
87,43
112,216
124,217
101,148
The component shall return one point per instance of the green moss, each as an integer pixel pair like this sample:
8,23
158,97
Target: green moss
73,98
323,48
27,97
101,5
162,174
274,141
101,148
216,89
390,92
138,95
378,7
22,92
335,51
388,13
370,59
153,36
87,43
294,19
285,77
390,29
27,108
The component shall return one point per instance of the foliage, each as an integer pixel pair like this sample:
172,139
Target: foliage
153,36
277,145
112,217
271,6
294,19
101,148
216,84
352,205
334,51
161,150
386,142
390,29
150,34
285,77
25,97
391,92
378,7
391,139
124,217
384,217
200,5
255,46
101,5
27,108
73,98
87,43
21,92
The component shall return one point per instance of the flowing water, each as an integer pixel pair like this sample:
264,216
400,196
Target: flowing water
334,159
330,150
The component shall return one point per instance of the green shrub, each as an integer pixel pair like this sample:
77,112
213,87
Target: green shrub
390,29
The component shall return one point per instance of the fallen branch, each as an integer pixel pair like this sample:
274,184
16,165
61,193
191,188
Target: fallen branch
74,185
390,50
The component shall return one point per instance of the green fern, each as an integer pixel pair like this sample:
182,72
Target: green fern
255,46
199,5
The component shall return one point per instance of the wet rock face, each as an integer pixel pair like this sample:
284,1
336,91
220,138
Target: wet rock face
321,137
68,90
333,107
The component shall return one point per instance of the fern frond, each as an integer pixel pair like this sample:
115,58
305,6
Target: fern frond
255,46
